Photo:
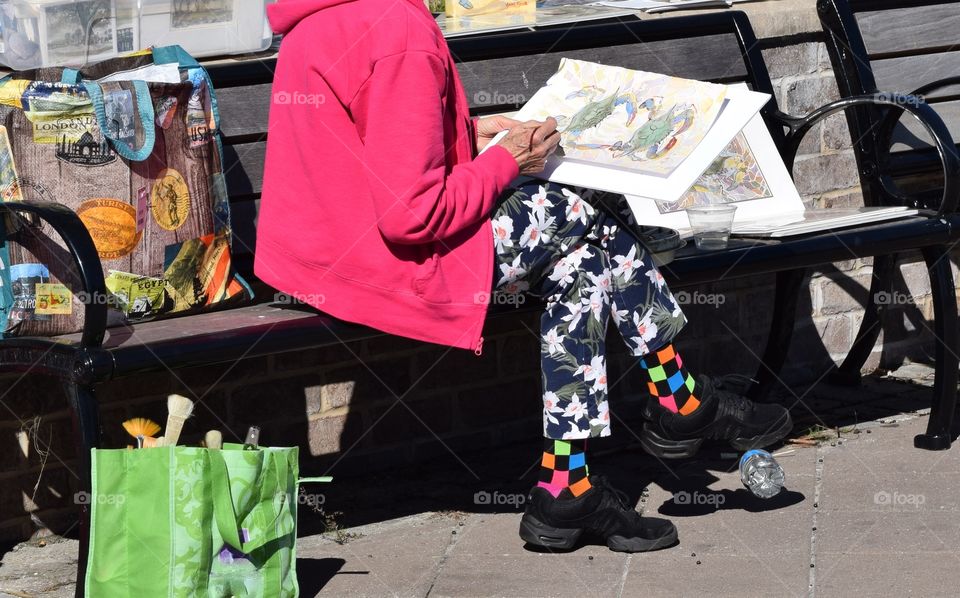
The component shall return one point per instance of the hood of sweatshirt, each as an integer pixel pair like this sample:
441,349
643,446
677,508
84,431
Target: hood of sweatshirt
285,14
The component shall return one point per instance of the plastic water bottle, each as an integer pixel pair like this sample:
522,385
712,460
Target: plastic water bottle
761,473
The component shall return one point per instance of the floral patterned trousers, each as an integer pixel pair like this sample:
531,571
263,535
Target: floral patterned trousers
551,243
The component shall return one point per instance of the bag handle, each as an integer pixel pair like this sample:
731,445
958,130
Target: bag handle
146,113
161,55
264,512
70,76
174,54
6,293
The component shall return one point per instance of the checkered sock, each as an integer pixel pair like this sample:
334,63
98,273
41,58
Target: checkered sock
564,467
669,382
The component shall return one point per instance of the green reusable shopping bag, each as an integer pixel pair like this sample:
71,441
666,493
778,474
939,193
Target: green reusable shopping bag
184,521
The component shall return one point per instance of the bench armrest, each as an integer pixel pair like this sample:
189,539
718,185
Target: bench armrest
77,239
925,115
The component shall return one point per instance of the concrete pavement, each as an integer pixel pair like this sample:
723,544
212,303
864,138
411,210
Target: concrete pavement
864,513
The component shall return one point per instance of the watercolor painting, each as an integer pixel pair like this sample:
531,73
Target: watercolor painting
633,120
734,176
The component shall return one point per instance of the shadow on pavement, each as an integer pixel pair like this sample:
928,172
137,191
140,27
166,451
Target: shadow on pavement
314,574
495,479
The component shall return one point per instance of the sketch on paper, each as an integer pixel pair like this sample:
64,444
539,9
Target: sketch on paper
634,120
190,13
734,176
79,31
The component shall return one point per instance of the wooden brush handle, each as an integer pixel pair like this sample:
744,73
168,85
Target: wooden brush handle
174,427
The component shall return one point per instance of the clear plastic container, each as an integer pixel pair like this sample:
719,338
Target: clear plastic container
75,32
761,473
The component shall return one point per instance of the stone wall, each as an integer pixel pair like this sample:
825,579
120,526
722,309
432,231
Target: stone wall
389,401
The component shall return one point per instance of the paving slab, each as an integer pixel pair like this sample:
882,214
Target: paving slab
740,523
663,574
490,559
399,558
929,574
32,570
887,532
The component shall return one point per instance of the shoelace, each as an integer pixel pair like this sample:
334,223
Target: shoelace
722,384
620,497
741,380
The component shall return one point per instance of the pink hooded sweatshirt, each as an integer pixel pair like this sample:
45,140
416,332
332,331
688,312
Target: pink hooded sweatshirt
375,207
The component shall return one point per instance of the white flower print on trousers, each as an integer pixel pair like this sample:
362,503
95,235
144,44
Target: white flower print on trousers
552,243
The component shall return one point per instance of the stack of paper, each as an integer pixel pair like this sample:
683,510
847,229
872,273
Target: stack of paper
549,15
655,6
624,130
816,220
669,144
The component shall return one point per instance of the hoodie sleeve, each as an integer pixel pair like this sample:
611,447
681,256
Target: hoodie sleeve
399,113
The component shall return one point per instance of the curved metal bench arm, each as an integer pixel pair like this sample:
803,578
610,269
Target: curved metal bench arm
77,239
890,120
925,115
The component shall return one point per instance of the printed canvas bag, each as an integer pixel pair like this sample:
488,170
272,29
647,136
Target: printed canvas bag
140,162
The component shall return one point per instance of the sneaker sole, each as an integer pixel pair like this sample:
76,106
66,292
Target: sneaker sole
664,448
536,533
621,544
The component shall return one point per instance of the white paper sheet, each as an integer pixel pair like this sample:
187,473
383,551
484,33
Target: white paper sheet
817,220
153,73
780,196
738,109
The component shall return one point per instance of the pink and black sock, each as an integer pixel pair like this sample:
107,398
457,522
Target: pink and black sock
564,467
669,382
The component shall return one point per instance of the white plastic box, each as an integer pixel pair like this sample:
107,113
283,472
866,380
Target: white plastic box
75,32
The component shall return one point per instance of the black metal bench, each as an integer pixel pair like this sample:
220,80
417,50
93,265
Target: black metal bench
902,48
512,64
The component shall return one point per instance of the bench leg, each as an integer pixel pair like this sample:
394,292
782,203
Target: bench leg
86,427
789,286
939,428
848,374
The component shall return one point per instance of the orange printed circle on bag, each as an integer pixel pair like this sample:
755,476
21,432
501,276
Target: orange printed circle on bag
170,200
112,225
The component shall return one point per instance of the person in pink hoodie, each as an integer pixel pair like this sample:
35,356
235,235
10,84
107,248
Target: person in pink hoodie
379,208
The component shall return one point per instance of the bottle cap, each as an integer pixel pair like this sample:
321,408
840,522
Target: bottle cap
751,453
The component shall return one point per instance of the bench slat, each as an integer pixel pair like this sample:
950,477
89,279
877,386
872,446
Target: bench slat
243,167
243,216
708,58
175,330
910,29
244,110
911,135
908,73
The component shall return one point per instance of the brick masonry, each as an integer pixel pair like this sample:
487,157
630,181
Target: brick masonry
385,401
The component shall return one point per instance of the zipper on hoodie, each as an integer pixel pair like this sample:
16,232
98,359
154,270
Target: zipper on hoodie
479,350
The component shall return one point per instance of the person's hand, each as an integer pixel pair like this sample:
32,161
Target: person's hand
531,143
491,126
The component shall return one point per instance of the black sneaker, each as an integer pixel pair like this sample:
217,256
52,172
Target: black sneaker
722,415
601,512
